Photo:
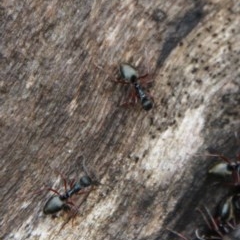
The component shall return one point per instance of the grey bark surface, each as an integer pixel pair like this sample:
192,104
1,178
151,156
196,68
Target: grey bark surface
58,107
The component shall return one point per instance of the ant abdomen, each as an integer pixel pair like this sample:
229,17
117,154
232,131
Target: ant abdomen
54,205
221,169
128,72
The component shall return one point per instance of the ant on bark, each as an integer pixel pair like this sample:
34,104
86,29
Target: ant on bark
130,76
228,210
60,202
223,225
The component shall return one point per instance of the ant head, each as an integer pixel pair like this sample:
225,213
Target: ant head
85,181
147,104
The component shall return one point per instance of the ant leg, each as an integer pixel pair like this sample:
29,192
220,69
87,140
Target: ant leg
238,156
143,76
224,158
198,236
204,218
135,98
69,183
146,80
119,80
215,155
53,190
70,216
70,202
76,210
84,191
46,188
132,99
63,178
178,234
151,97
215,226
212,225
236,178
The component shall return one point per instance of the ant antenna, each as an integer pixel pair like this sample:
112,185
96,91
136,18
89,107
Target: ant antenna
85,167
88,173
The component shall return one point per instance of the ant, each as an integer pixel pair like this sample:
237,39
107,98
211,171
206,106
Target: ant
229,209
227,168
223,226
60,202
130,76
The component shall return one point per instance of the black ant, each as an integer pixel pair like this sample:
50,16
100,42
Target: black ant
60,202
223,226
228,210
130,75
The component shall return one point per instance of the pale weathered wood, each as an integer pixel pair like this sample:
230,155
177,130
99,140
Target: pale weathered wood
58,107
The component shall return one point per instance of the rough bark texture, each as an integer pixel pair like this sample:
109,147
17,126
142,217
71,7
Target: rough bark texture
57,108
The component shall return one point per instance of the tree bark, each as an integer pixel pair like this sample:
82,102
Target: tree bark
59,106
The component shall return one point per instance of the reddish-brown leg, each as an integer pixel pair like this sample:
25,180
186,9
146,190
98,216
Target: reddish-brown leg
212,225
46,188
132,99
178,234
